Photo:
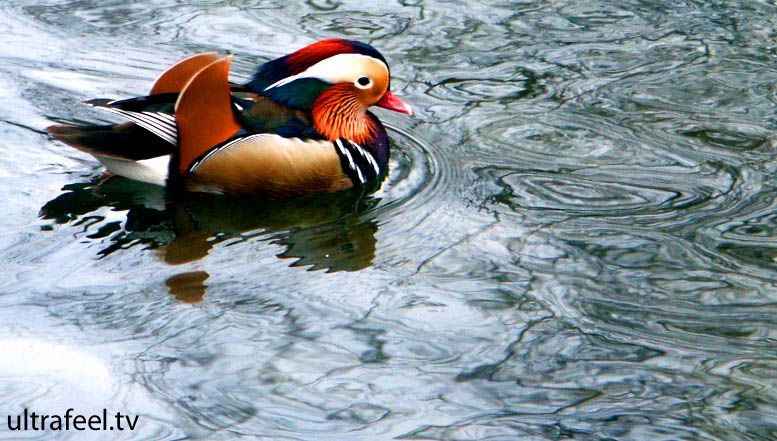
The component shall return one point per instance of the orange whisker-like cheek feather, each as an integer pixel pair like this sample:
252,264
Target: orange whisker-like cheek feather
338,113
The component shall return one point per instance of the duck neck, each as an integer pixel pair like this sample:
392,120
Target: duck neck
337,113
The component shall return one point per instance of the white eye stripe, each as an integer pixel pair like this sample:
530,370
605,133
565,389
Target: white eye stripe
340,68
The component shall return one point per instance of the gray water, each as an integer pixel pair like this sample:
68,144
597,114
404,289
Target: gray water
578,238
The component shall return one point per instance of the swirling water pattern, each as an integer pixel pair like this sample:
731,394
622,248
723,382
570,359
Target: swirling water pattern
576,241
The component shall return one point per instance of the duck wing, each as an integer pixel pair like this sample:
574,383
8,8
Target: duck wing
152,132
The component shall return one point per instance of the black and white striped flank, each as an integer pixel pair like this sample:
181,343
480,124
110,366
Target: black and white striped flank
357,162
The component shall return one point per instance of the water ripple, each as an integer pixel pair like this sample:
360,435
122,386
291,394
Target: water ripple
613,191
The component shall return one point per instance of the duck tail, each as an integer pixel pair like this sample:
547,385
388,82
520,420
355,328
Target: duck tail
127,141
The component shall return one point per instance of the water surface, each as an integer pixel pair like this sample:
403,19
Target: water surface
576,241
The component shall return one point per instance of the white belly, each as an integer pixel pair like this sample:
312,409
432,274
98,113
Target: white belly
153,171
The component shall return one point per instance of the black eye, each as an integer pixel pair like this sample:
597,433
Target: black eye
363,81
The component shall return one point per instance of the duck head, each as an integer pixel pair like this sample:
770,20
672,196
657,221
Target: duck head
336,80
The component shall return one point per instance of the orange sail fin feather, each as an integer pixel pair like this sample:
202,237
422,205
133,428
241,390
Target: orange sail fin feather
301,125
204,113
174,79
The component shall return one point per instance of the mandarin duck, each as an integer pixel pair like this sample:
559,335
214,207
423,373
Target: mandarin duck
299,126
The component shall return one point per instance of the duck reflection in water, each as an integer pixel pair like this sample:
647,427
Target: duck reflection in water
329,232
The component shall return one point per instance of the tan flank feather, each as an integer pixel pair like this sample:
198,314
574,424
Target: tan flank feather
272,165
